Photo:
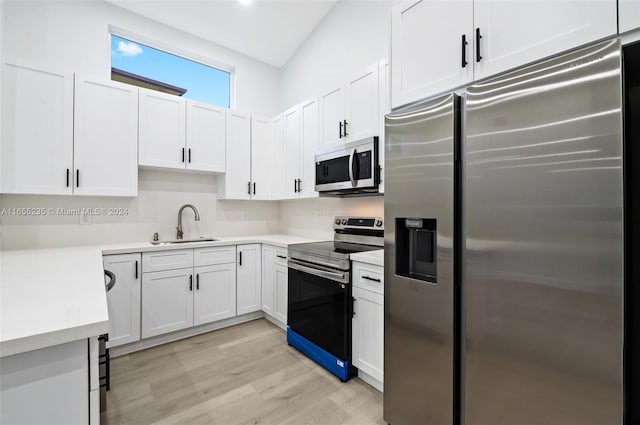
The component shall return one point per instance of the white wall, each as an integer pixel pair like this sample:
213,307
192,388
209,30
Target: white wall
354,34
74,34
161,193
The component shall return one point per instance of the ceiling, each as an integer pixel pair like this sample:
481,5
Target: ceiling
267,30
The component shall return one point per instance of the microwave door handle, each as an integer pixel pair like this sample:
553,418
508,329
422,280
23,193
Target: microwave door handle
351,173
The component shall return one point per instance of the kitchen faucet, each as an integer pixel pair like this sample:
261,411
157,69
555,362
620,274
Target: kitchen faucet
179,228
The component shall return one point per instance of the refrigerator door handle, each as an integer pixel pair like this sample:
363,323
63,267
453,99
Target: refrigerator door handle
351,173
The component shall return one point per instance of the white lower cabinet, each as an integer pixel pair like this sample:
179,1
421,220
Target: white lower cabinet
123,300
181,298
274,282
368,322
249,279
215,294
167,301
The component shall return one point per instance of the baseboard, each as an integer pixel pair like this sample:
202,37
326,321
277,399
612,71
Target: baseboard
276,322
371,381
184,333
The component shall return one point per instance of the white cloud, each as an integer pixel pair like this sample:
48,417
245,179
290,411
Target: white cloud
129,48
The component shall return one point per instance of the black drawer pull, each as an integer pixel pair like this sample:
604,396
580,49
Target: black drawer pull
282,256
371,278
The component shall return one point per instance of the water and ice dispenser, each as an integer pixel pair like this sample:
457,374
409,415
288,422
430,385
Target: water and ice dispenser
416,242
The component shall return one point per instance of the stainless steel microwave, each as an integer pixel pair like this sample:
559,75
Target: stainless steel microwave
349,168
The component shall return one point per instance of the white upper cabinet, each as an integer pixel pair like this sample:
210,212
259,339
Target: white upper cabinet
307,148
37,130
236,182
162,135
261,157
291,129
629,15
437,46
362,113
206,137
350,112
514,33
428,53
332,115
278,182
105,138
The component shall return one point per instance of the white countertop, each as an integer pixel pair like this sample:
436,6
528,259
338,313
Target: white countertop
370,257
54,296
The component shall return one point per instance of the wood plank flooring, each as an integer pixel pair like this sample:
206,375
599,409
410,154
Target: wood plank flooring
245,374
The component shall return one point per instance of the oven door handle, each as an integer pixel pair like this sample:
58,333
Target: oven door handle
351,173
338,277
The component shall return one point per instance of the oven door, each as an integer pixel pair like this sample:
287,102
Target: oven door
319,306
350,166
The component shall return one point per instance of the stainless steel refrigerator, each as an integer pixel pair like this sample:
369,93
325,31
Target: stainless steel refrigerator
504,249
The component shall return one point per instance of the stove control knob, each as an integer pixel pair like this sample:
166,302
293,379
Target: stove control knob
337,221
344,221
378,223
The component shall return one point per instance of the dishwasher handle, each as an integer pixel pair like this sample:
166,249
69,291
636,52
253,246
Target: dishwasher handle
112,279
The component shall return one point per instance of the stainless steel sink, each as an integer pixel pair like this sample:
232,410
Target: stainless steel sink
182,241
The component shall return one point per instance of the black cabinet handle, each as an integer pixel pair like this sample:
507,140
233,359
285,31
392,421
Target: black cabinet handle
464,51
281,256
189,154
478,38
240,257
191,282
299,185
371,278
136,271
353,307
77,177
182,154
249,188
67,177
254,188
295,185
345,128
340,129
198,281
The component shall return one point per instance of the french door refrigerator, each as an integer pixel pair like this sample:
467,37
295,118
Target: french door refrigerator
504,249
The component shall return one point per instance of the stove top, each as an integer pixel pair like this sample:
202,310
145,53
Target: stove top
333,248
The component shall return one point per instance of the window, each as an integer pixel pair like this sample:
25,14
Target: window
144,66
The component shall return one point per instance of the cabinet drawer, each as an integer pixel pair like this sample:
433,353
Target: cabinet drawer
167,260
214,255
369,277
281,256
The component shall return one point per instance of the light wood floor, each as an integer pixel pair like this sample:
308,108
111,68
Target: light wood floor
245,374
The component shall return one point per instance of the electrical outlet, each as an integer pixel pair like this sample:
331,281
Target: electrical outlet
85,216
244,215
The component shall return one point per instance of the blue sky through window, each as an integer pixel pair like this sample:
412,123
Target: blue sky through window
203,83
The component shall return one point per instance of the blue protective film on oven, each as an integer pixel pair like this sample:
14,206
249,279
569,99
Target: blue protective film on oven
333,364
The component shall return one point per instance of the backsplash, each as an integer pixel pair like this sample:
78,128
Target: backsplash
155,209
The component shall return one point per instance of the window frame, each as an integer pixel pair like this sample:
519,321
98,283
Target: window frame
172,50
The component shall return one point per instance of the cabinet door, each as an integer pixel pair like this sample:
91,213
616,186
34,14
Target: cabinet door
161,130
167,301
518,32
362,103
384,82
427,49
261,152
37,130
331,116
629,15
268,274
206,137
123,299
279,187
237,178
368,332
215,293
105,138
308,146
281,280
249,281
291,125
